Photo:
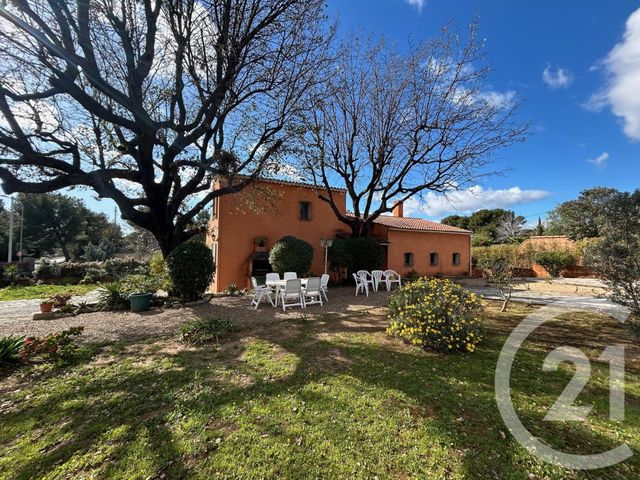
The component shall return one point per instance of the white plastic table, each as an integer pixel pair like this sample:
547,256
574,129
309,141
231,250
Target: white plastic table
281,284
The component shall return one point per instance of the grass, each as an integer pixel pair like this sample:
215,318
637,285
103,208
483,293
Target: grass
320,398
42,291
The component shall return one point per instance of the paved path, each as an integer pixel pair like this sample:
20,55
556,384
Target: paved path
24,309
574,302
581,282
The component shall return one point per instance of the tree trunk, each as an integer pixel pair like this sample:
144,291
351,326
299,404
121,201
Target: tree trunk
359,228
63,246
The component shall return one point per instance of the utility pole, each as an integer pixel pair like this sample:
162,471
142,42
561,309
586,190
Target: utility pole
21,253
10,250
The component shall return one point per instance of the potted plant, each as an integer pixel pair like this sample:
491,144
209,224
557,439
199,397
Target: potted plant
261,244
142,287
47,305
140,302
60,299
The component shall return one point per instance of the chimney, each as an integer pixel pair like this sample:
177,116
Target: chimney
398,210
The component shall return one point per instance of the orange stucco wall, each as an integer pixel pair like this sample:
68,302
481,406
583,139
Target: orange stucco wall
269,210
421,244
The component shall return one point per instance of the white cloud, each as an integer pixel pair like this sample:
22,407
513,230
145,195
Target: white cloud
499,99
416,3
600,160
560,78
622,67
470,199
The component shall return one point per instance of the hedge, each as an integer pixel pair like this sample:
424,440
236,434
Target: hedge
290,254
75,272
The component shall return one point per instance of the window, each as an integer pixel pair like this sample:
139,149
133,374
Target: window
215,207
214,253
305,210
408,259
456,259
434,259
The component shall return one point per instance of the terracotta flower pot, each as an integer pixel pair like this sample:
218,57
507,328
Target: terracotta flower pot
46,307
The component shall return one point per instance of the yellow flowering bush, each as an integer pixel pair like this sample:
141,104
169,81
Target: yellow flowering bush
436,314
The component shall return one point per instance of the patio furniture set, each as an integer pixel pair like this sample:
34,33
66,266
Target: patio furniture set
372,280
290,291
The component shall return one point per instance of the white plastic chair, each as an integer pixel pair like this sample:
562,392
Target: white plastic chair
360,285
367,278
313,291
324,285
260,292
273,277
292,291
391,277
290,276
377,278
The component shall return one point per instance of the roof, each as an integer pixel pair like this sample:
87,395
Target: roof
294,183
417,224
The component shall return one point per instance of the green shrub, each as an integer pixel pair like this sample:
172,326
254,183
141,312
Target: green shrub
75,271
10,273
290,254
436,314
55,346
47,270
232,290
89,272
100,252
364,253
190,268
140,284
10,348
94,275
555,261
121,267
205,330
113,296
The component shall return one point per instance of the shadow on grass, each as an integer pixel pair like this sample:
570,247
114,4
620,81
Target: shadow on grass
168,407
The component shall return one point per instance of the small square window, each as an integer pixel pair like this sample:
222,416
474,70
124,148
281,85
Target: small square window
408,259
456,259
434,259
305,210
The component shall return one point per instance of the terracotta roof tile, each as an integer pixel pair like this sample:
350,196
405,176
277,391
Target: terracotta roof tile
417,224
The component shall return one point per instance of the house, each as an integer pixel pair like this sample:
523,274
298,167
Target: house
244,225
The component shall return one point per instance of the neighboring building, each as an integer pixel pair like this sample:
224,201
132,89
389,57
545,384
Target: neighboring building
271,209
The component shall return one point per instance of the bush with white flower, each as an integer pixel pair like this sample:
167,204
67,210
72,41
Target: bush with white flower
436,314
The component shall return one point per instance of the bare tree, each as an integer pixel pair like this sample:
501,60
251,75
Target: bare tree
510,228
499,271
145,101
391,126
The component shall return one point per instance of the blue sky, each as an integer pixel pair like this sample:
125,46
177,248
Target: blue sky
572,68
576,140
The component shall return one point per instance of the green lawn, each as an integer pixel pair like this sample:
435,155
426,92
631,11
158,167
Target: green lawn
42,291
310,398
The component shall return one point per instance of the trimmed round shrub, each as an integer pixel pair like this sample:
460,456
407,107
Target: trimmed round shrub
363,253
290,254
190,267
436,314
555,261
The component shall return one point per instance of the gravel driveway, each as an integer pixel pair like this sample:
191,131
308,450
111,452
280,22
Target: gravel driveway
113,326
